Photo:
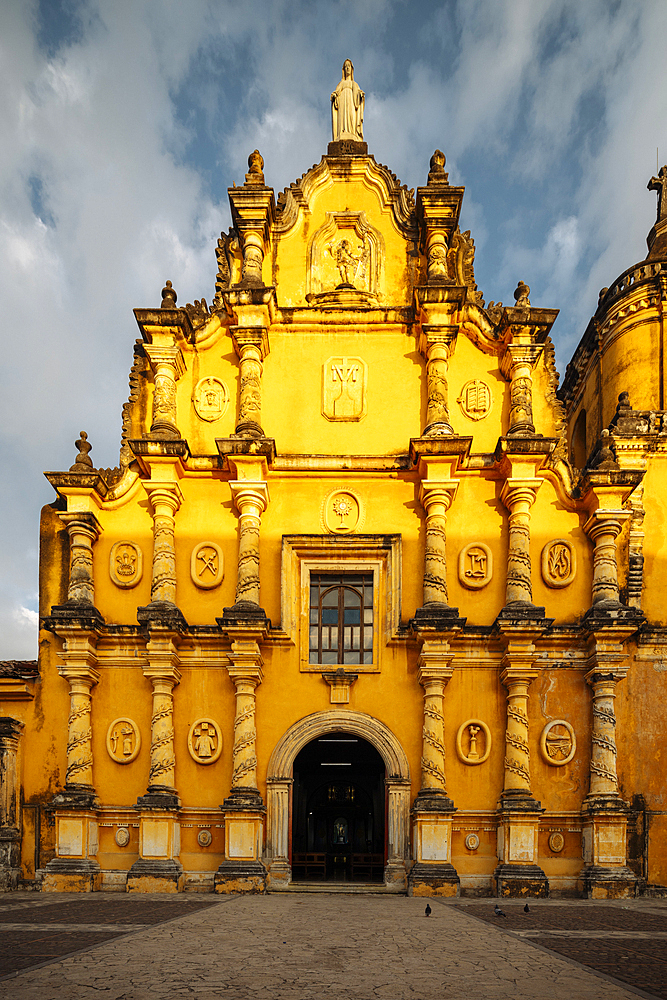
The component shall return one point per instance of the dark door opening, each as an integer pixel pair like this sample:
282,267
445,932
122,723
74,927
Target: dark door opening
338,811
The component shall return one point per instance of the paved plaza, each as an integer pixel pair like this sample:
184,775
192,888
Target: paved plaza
308,946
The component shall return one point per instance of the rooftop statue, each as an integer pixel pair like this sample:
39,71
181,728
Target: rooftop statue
347,107
658,184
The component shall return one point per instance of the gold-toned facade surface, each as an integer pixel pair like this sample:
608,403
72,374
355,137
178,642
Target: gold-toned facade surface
369,597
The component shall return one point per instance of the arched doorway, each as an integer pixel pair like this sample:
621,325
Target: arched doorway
338,807
278,853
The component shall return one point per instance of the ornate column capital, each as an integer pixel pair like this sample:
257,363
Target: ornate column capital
437,493
166,493
164,354
519,491
250,341
518,354
251,498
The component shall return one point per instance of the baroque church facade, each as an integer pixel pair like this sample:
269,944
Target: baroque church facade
369,599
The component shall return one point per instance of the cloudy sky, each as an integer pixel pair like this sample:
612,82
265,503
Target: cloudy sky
123,122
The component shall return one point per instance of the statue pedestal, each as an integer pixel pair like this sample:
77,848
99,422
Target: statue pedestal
605,874
75,867
518,873
242,870
347,147
433,873
157,868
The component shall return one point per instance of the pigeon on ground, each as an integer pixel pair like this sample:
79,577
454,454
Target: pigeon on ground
526,908
498,912
427,911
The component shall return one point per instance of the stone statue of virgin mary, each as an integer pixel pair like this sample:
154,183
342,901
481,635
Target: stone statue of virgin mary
347,107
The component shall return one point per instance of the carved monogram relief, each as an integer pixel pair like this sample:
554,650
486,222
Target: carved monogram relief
123,740
126,564
475,399
342,512
344,383
558,742
206,565
559,563
210,399
473,742
205,741
475,565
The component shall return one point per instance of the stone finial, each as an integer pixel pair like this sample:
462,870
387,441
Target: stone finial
83,460
603,458
521,293
169,296
659,184
436,174
602,293
255,173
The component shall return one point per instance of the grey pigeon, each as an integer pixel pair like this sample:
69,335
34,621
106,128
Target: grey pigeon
427,911
526,908
498,912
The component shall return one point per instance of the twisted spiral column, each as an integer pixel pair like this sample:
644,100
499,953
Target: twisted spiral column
252,346
162,774
83,532
165,499
79,774
517,751
437,407
517,366
518,496
603,529
433,781
167,365
251,500
436,498
247,676
604,781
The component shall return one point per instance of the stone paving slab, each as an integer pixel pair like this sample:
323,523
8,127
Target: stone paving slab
107,908
599,917
316,946
642,963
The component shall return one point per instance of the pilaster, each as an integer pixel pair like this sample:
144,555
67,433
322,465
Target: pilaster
438,210
253,208
10,832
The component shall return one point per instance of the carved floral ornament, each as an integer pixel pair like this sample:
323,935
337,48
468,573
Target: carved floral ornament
204,838
205,741
126,563
122,836
475,565
123,740
342,512
556,842
558,743
559,563
210,399
473,742
472,841
475,399
207,565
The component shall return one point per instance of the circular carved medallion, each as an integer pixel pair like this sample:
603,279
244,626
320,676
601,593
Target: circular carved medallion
558,563
123,740
475,399
204,838
205,741
475,565
472,841
556,842
207,565
125,564
122,836
473,742
558,742
210,399
342,512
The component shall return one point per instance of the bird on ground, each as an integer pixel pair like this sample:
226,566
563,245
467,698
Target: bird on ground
526,908
498,912
427,911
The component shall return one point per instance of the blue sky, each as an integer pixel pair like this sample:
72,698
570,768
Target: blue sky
124,122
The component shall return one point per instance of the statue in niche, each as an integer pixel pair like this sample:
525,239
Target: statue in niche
347,107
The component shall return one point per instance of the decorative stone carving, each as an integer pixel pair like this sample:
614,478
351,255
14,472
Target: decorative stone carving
205,741
165,499
347,107
475,399
475,565
251,500
342,512
79,730
123,740
438,347
556,842
164,676
559,563
558,743
207,565
204,838
126,564
210,399
344,382
518,496
436,498
472,842
83,530
346,256
122,836
517,366
468,740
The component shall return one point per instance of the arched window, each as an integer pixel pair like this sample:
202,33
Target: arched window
341,618
578,453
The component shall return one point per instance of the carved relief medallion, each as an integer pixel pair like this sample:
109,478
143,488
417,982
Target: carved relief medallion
472,841
475,565
210,398
126,564
342,512
204,838
556,842
558,742
344,388
475,399
123,740
205,741
122,836
473,742
558,563
206,565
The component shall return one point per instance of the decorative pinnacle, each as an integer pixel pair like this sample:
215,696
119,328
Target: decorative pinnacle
255,173
521,293
436,174
83,461
169,297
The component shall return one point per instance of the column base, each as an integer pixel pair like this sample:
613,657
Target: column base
243,800
241,876
162,613
243,613
279,875
428,801
10,858
396,876
522,611
596,882
76,797
77,611
159,797
516,880
434,879
147,875
516,800
72,875
437,617
612,613
249,428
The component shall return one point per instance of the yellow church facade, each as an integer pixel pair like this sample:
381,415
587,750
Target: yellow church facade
369,599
